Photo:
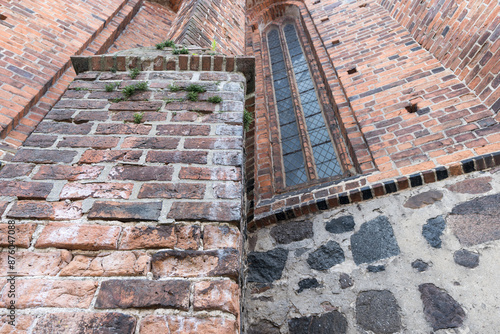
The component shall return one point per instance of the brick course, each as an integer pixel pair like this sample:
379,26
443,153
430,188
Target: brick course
96,196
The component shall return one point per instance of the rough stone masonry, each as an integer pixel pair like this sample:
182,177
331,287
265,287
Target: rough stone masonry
127,209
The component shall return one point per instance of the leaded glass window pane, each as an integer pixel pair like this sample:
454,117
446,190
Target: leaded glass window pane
293,158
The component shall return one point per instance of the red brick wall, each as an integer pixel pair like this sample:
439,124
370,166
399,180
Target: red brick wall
199,22
150,26
36,40
113,214
462,35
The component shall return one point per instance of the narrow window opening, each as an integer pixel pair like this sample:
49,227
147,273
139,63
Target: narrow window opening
363,5
3,17
352,70
324,19
309,147
316,2
335,42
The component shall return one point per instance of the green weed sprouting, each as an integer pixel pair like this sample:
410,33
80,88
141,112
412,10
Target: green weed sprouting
134,73
196,88
215,99
111,87
214,45
174,88
182,51
138,117
247,120
192,96
129,90
166,44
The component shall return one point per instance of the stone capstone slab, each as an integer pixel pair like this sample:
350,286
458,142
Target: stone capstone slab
375,240
440,309
326,256
433,230
378,311
477,221
340,225
466,258
86,323
290,232
328,323
423,199
266,267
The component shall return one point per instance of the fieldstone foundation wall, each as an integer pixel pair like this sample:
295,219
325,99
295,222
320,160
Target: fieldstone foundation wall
127,207
417,261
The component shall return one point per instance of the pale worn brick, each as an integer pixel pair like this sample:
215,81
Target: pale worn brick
221,236
211,173
209,211
108,264
22,325
23,236
86,323
144,294
183,130
77,236
51,293
45,210
172,190
193,263
228,158
153,324
96,190
96,156
142,173
220,295
228,190
37,264
70,173
213,143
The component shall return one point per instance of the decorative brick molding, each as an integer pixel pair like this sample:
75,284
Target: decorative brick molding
357,189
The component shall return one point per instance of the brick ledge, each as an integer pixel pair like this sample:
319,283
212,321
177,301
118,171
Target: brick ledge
370,191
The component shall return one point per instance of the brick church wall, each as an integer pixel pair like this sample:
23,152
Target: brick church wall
463,36
38,37
117,219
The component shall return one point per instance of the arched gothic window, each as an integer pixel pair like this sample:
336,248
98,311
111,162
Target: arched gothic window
310,139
